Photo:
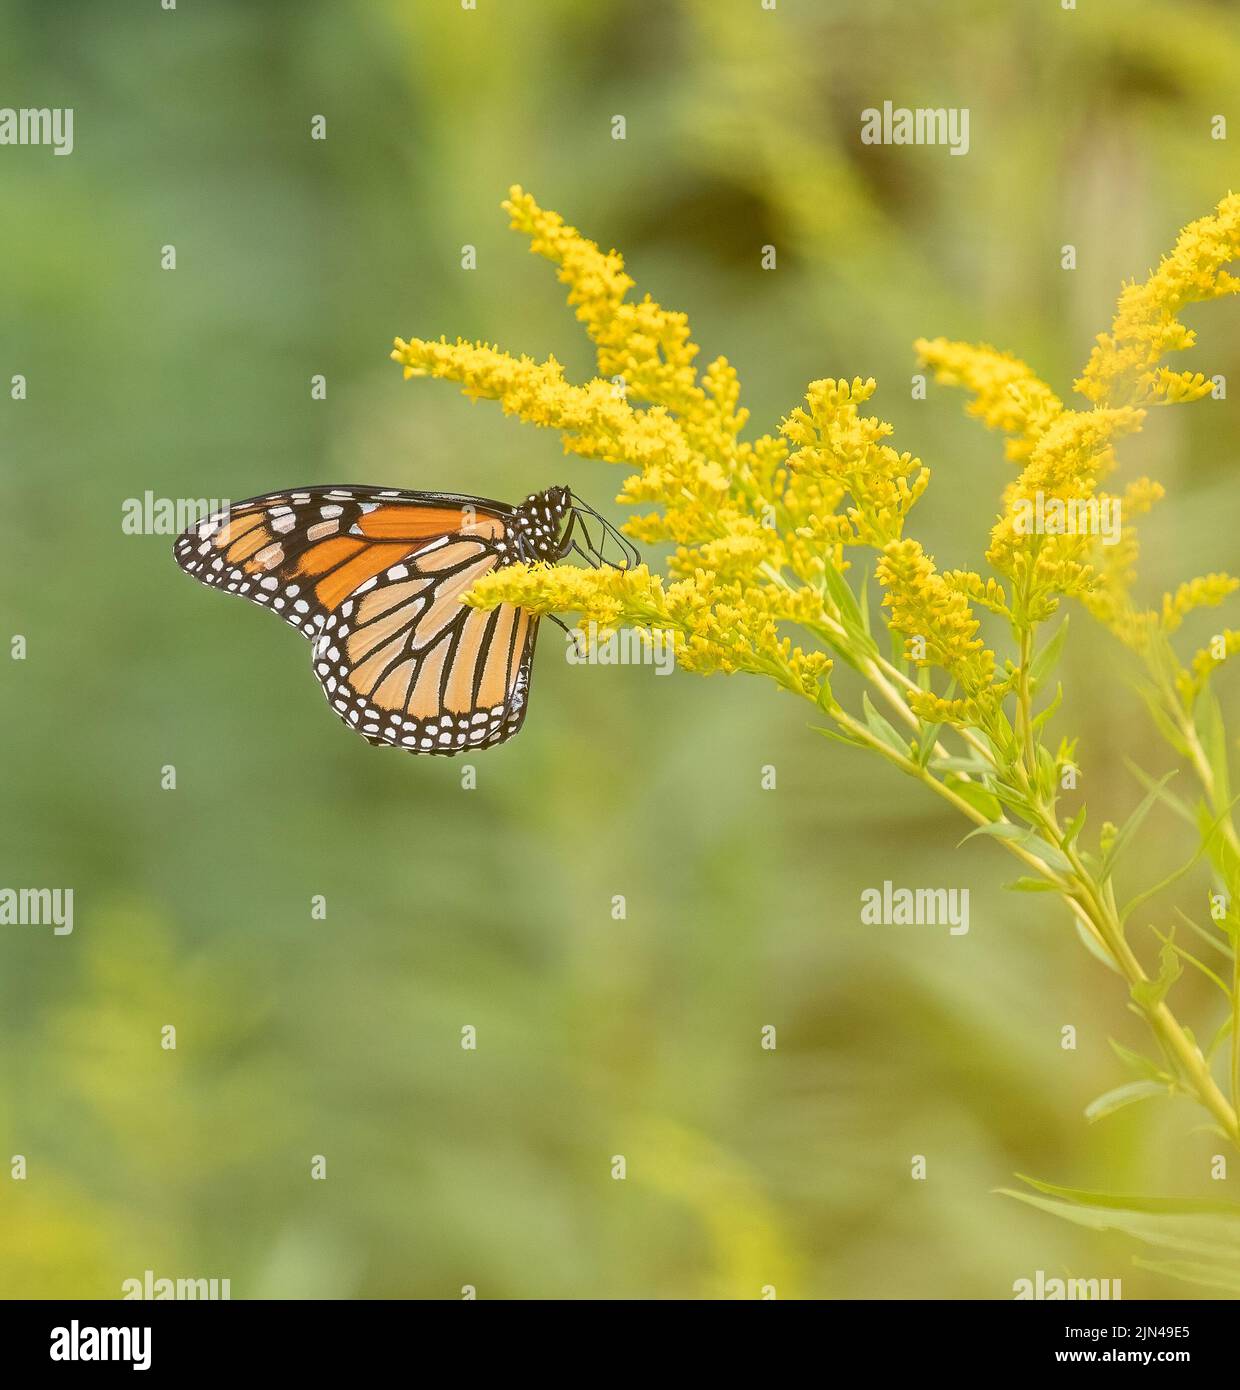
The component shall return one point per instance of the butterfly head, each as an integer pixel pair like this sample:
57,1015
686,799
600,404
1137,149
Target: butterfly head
538,527
549,525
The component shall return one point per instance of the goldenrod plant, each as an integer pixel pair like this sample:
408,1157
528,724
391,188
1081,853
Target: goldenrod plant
773,540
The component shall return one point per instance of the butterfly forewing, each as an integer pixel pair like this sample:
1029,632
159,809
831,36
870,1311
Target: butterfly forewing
301,553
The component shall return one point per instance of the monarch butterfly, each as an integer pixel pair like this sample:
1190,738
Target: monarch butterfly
374,578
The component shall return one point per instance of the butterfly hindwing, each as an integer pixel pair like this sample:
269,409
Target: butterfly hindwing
407,665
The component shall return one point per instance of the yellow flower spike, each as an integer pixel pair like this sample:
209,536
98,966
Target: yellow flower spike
935,618
836,443
733,510
716,627
648,346
986,592
594,420
1206,592
1066,452
1009,396
1116,567
1205,662
1063,465
1075,450
1124,364
1181,388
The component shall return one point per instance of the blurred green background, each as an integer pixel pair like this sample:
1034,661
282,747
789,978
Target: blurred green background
491,907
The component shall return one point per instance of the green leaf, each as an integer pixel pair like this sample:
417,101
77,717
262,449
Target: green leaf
1019,834
1207,1231
1169,799
1015,800
1045,661
925,746
1132,825
1214,741
975,794
1046,769
1049,854
1220,1037
1142,1065
1150,993
1192,960
1166,882
1001,830
1074,828
1154,1206
899,657
1163,721
1129,1094
844,598
1046,714
1209,1276
1222,856
1031,885
881,729
1221,947
972,764
1006,739
854,621
838,737
1095,947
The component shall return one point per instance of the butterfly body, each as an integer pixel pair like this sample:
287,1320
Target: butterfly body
374,577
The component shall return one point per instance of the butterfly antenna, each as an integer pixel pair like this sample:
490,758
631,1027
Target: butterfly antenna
630,553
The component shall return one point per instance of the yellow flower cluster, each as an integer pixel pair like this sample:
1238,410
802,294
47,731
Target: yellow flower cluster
1125,363
1065,453
940,629
747,555
759,529
1207,592
716,627
645,345
1203,665
836,444
1008,395
1116,571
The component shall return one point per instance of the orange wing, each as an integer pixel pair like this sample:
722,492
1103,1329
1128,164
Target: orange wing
375,577
301,553
407,665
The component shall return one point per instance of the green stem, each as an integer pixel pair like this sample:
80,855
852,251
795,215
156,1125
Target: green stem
1094,906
